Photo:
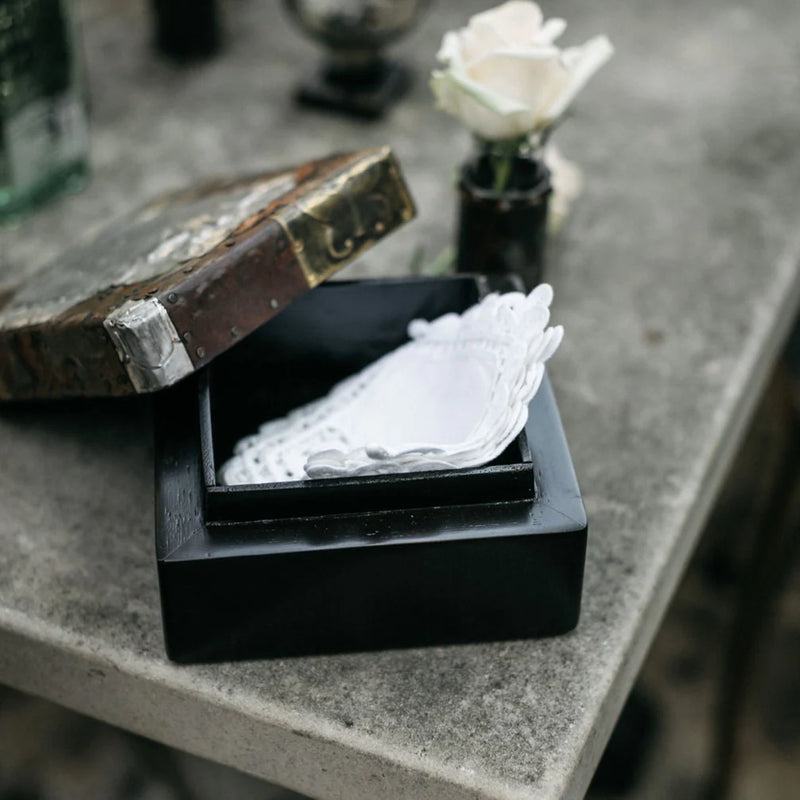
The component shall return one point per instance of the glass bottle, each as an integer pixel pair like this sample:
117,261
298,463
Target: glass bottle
43,129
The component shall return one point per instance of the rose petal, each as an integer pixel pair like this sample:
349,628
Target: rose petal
517,22
476,42
482,38
514,22
534,78
551,30
486,114
450,49
582,63
453,83
541,295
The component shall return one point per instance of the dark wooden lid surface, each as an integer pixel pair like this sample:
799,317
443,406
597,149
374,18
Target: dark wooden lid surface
153,299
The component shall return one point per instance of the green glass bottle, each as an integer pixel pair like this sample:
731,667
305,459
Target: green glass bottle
44,139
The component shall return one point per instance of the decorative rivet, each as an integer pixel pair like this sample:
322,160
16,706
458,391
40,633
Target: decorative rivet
172,297
379,227
187,337
201,352
406,214
234,331
273,303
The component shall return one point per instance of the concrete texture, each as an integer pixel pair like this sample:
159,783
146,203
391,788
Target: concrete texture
676,279
49,753
682,679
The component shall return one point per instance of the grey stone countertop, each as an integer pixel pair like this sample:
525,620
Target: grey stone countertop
676,278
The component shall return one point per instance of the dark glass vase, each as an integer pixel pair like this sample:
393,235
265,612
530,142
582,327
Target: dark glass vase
504,232
187,30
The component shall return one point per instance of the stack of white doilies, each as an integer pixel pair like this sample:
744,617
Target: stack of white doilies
454,396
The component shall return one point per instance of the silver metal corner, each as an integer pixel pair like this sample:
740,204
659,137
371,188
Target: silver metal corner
148,344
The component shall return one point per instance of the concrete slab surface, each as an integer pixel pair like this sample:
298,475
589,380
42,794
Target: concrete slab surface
676,279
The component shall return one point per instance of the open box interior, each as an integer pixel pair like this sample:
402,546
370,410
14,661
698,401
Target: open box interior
327,335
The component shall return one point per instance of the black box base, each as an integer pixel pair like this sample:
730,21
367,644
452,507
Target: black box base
250,584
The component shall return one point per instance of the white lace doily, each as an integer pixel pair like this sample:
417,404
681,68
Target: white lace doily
454,396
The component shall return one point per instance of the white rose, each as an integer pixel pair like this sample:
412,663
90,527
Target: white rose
505,77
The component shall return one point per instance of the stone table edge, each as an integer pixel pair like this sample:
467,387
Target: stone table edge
86,671
780,305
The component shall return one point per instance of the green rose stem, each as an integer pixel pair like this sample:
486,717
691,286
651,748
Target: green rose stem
501,155
502,170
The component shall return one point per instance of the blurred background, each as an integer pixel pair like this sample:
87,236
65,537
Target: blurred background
708,712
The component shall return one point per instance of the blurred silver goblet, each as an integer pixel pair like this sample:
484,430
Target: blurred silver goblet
356,77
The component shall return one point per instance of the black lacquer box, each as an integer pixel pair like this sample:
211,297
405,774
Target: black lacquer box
215,298
339,565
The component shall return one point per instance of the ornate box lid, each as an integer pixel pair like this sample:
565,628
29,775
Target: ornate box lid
186,277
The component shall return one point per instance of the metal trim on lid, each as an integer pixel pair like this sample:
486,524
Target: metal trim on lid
148,345
357,207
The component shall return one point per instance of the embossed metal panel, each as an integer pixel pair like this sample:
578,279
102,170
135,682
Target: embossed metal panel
153,299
